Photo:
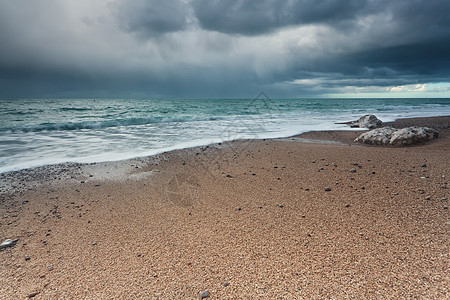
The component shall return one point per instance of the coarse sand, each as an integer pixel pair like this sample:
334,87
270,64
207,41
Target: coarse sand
249,219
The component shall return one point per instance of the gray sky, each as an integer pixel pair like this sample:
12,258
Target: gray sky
224,48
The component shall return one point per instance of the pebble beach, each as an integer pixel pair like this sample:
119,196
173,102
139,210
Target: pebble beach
315,216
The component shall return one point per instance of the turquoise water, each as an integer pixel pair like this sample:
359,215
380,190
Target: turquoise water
36,132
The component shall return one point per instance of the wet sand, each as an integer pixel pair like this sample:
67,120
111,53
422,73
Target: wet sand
247,219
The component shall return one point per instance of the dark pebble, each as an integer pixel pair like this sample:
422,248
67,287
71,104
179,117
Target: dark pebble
327,189
32,295
424,165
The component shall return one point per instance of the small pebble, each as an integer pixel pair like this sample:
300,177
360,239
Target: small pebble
347,205
27,258
281,205
427,198
327,189
424,165
226,283
352,170
204,294
8,243
32,295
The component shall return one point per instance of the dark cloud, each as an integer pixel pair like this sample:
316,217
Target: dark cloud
259,17
151,17
214,48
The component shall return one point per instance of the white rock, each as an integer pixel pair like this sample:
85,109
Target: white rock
412,135
397,137
379,136
367,121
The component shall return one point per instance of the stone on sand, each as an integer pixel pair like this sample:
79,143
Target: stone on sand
367,121
8,243
204,294
397,137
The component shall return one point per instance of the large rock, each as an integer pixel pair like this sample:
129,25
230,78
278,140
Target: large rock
397,137
379,136
367,121
412,135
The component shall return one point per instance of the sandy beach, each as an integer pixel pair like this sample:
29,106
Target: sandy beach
315,216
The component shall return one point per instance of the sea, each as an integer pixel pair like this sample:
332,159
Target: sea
36,132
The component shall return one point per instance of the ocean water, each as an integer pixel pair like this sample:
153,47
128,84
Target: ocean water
35,132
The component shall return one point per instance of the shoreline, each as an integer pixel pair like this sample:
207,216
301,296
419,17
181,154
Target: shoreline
313,136
241,219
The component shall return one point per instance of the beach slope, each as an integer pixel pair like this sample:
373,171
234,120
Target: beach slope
265,219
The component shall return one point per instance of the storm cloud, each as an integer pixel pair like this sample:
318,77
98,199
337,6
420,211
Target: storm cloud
217,48
260,17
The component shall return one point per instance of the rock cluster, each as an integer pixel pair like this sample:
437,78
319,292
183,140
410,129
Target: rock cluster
397,137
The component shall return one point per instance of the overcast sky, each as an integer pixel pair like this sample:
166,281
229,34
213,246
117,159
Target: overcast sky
224,48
